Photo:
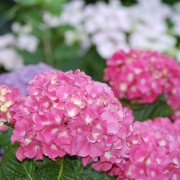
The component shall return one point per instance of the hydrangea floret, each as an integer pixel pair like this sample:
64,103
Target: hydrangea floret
154,151
143,76
176,115
69,113
9,97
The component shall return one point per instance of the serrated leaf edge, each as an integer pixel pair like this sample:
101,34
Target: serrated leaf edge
23,166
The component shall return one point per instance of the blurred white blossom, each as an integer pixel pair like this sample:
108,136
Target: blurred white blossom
178,56
79,35
22,38
109,27
24,29
73,13
108,42
176,20
113,26
51,20
175,17
27,42
7,40
9,59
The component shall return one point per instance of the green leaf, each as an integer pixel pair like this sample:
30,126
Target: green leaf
170,2
63,29
1,177
32,58
67,57
53,6
71,58
5,137
93,64
150,111
67,169
64,52
11,168
28,2
128,2
40,163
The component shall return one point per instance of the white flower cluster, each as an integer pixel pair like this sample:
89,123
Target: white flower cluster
9,58
113,26
176,18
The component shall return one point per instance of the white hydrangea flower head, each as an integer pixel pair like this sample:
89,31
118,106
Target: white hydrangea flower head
10,60
19,28
27,42
7,40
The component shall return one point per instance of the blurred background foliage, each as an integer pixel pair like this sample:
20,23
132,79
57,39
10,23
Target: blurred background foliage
52,48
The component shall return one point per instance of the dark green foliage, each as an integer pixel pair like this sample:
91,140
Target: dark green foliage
142,112
66,169
5,137
11,168
61,169
170,2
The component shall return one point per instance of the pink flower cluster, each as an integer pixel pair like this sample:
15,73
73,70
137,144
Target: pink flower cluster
173,95
8,98
154,152
143,76
176,116
69,113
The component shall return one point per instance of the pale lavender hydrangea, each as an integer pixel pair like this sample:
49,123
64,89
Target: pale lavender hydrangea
21,77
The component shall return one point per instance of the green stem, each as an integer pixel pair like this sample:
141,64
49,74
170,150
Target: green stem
47,48
61,168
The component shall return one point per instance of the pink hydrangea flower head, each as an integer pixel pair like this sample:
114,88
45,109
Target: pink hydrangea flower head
173,95
8,98
176,115
143,76
69,113
154,151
